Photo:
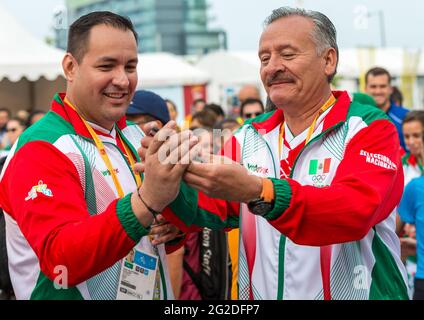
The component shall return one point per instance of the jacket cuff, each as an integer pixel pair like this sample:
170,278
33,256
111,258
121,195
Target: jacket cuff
128,219
283,195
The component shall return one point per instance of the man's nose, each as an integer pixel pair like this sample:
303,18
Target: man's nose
120,78
275,64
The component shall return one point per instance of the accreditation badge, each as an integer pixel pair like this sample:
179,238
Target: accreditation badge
138,276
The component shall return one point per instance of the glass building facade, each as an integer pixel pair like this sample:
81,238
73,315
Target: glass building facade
176,26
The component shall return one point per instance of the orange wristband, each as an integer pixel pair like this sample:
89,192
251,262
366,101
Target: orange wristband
267,190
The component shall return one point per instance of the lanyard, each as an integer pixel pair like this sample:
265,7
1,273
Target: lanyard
103,154
330,102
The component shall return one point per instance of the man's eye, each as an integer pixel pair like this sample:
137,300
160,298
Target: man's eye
131,68
264,60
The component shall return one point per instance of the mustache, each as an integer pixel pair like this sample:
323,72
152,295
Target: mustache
278,77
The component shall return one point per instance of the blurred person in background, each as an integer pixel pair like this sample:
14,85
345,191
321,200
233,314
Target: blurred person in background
223,131
413,129
411,210
248,91
4,118
197,106
378,85
147,107
14,129
217,109
412,161
203,119
251,108
396,97
172,109
34,116
23,115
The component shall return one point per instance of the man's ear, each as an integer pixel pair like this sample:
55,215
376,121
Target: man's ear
69,65
330,58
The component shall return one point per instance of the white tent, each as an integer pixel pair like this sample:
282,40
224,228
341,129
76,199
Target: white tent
30,70
22,55
166,70
232,69
229,71
353,62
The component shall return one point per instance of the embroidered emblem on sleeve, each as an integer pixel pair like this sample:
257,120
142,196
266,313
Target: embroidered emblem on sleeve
40,188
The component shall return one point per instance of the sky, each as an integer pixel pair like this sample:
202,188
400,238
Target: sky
242,19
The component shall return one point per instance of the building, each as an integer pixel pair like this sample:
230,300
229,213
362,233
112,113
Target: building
176,26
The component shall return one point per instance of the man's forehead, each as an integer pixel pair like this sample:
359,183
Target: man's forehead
379,78
293,26
104,36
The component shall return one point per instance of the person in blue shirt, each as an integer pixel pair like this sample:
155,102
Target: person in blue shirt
378,85
411,210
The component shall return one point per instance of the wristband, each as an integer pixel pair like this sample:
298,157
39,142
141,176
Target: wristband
152,211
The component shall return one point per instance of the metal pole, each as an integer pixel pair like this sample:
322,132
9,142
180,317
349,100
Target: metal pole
382,28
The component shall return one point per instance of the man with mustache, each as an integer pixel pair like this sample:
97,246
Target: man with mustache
313,186
74,207
378,85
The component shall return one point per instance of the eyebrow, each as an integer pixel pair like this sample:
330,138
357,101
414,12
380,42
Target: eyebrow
114,60
280,48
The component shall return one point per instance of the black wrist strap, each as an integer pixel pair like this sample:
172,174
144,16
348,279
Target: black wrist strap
153,212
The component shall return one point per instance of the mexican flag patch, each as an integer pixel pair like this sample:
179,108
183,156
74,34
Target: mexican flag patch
319,166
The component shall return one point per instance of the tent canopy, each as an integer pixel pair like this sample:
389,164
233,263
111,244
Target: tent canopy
166,69
243,67
231,67
22,55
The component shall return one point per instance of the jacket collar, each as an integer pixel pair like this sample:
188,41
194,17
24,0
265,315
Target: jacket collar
337,114
60,107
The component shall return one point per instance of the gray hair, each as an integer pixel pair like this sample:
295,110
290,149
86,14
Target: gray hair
324,33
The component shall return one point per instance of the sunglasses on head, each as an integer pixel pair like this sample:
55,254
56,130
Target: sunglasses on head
252,115
11,129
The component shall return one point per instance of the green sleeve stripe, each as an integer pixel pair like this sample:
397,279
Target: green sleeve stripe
283,195
186,208
128,219
45,289
185,205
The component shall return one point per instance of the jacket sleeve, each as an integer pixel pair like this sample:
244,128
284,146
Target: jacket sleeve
56,223
192,209
363,192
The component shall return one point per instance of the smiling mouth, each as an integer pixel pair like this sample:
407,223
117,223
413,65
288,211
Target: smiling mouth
280,82
116,96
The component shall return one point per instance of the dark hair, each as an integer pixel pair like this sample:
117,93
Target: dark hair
416,115
19,120
377,71
269,105
79,31
396,96
250,101
215,109
220,125
207,118
32,115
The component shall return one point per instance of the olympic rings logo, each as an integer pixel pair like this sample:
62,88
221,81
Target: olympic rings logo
319,178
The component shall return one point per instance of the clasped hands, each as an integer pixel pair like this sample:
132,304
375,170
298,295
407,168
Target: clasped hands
167,158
